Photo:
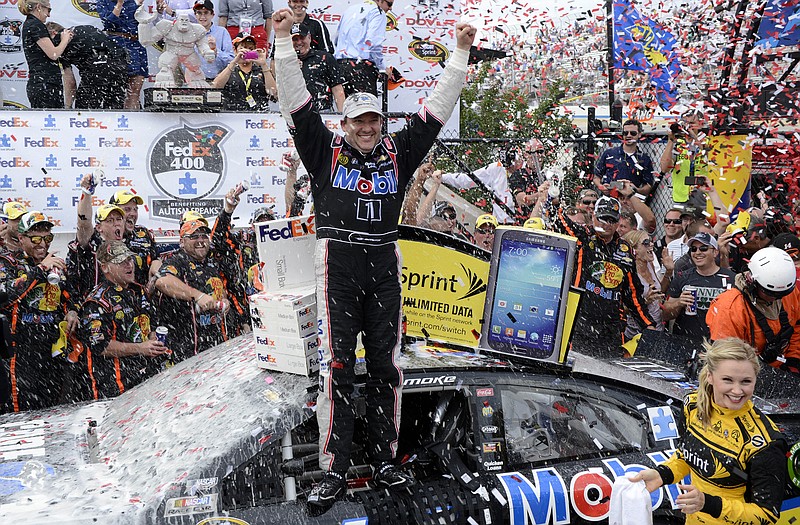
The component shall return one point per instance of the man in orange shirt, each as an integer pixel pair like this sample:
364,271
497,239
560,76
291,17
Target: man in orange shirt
762,309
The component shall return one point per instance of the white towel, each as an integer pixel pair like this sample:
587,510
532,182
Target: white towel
630,503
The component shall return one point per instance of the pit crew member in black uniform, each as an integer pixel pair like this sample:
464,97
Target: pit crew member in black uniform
358,182
137,238
194,300
735,455
319,69
237,251
35,307
83,270
606,270
117,328
102,64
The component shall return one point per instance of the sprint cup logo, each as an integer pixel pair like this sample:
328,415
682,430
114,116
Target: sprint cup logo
10,36
391,21
187,165
428,50
87,7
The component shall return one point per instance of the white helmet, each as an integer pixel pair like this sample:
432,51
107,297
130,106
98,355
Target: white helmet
773,270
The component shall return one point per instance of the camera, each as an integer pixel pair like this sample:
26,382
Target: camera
251,55
677,130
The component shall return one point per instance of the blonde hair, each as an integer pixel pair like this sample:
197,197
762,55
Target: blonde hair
26,7
634,237
726,349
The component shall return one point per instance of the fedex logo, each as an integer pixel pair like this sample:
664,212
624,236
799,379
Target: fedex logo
15,122
264,198
313,345
95,201
45,142
331,125
16,162
306,326
117,182
278,143
86,123
263,161
88,162
266,341
46,182
295,228
115,143
266,358
351,180
278,181
259,124
194,149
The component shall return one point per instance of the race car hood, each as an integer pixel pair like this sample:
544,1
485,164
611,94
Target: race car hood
194,422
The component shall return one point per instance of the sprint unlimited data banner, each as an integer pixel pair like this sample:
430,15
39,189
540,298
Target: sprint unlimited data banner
443,293
174,161
419,37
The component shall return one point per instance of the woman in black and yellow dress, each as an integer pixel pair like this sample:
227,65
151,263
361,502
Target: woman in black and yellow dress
735,455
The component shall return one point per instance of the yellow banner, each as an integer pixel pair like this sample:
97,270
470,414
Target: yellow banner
730,159
444,292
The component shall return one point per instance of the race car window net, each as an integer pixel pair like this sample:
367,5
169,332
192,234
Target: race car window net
547,424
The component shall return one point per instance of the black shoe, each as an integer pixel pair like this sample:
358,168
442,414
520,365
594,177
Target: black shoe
390,477
326,492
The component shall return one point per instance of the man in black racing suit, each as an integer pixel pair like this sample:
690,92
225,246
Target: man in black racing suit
605,269
358,182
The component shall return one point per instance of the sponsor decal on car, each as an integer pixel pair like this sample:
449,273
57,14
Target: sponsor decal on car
489,429
191,505
222,521
484,392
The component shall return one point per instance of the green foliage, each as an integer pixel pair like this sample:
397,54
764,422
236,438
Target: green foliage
491,111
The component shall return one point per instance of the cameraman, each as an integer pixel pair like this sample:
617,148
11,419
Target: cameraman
625,162
685,155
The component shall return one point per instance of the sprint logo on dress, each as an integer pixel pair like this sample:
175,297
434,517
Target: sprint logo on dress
16,162
351,180
90,122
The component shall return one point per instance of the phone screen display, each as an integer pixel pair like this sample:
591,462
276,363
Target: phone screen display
527,298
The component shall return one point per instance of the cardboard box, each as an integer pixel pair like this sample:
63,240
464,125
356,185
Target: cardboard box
300,323
285,302
287,354
286,247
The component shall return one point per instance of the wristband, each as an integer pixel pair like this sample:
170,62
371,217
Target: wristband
86,191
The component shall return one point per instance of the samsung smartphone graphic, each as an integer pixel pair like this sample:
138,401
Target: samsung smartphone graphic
527,294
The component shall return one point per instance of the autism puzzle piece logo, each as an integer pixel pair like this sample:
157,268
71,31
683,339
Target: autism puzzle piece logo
662,421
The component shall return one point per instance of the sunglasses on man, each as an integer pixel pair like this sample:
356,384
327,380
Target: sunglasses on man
702,248
37,239
632,133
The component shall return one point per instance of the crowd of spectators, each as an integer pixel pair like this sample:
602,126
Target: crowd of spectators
113,63
634,280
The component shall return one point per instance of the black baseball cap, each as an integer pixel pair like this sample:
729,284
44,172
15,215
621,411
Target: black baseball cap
607,207
203,4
